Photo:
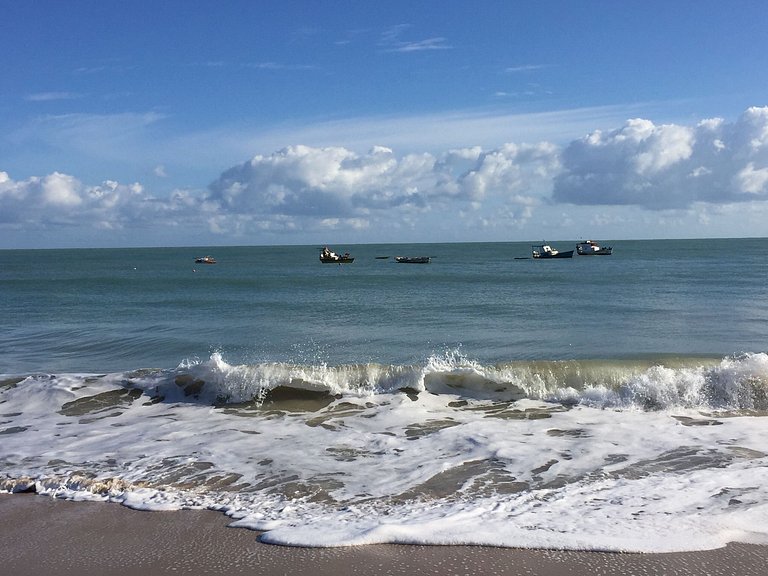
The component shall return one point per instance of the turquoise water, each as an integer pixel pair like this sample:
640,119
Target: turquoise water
602,402
108,310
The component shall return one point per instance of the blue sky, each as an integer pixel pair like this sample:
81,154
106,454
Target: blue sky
212,123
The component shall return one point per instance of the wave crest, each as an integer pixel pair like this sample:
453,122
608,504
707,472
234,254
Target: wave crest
732,383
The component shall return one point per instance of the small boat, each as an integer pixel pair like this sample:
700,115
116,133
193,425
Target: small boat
592,248
412,259
328,256
205,260
545,251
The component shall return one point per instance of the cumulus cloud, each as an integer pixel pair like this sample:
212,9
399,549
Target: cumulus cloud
61,199
303,187
669,166
334,182
712,163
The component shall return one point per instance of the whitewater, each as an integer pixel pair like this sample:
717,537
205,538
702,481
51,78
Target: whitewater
378,403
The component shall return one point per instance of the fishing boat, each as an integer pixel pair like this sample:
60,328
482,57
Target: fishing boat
412,259
205,260
328,256
545,251
592,248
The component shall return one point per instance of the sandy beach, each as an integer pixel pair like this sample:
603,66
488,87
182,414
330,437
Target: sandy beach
40,535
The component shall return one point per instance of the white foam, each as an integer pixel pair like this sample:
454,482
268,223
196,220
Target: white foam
606,474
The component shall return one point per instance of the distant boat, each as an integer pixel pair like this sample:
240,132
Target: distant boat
382,257
412,259
205,260
328,256
545,251
592,248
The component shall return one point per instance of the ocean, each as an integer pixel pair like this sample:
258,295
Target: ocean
594,403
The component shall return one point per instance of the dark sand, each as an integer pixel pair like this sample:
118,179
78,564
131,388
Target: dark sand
42,536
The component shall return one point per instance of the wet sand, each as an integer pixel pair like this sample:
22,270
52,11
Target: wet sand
41,536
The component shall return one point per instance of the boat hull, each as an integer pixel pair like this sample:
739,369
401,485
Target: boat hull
549,256
592,248
337,260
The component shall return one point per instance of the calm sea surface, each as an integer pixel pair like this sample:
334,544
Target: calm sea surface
97,310
604,402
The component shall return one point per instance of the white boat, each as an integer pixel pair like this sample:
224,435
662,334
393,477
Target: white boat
328,256
545,251
592,248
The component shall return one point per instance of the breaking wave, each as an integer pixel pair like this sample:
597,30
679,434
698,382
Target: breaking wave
731,383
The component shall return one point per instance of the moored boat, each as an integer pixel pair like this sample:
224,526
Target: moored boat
545,251
205,260
412,259
592,248
328,256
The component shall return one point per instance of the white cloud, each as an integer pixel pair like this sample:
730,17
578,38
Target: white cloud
510,169
51,96
61,199
665,147
437,43
680,173
60,190
668,166
752,180
97,136
390,39
333,182
524,68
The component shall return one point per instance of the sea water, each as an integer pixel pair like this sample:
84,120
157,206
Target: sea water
600,402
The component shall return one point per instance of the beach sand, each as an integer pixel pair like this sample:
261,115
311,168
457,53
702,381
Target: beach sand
40,536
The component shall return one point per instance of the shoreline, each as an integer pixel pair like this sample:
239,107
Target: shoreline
42,535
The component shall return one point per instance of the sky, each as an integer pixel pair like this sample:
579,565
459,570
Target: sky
210,123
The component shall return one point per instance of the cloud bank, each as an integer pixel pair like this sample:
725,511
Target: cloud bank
654,167
305,181
669,166
61,200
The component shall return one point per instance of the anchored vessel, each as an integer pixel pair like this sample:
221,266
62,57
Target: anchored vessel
328,256
545,251
592,248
